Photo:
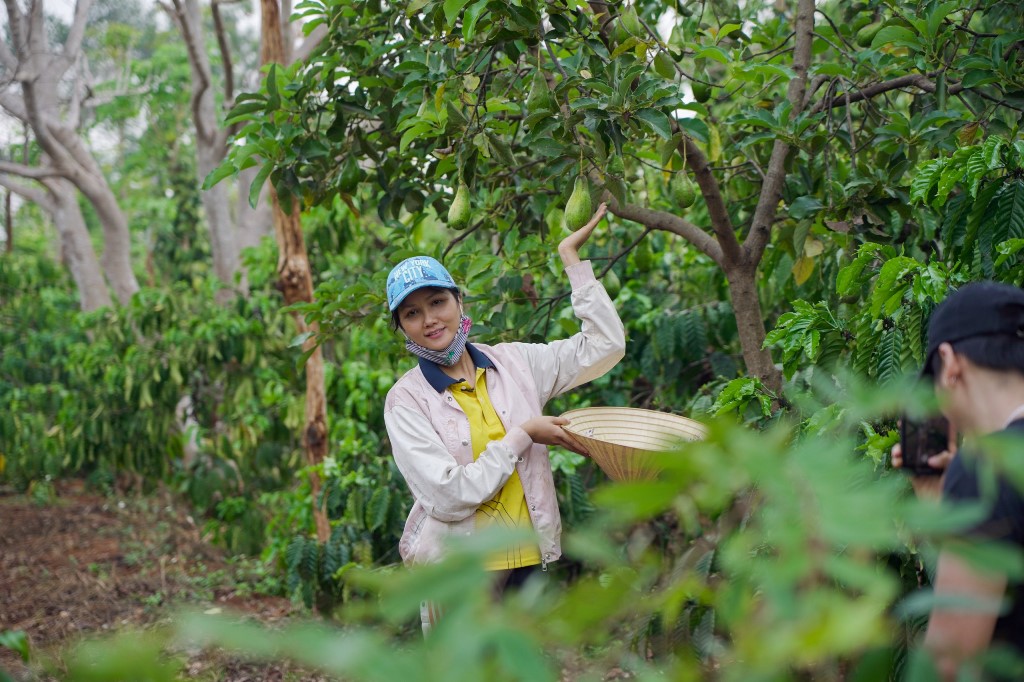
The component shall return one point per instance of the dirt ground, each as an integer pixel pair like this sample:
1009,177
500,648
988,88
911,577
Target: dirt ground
82,565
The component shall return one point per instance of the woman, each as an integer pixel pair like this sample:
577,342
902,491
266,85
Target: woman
466,425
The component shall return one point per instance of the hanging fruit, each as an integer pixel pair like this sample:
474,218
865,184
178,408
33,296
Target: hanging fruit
459,212
578,208
351,175
539,98
684,192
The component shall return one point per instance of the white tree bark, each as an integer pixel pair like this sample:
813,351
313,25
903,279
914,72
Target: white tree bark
52,109
57,197
211,141
253,223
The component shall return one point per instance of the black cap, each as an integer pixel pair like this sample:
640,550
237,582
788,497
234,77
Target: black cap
976,309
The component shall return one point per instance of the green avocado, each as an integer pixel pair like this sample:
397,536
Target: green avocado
578,208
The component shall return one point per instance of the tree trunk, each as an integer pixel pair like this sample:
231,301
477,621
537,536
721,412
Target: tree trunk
296,282
746,307
8,224
211,143
253,223
117,240
79,255
58,199
51,89
224,242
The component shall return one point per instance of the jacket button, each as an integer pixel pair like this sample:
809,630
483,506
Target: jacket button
465,442
533,508
520,459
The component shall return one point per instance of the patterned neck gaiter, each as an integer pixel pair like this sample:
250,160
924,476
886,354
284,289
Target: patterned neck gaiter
450,355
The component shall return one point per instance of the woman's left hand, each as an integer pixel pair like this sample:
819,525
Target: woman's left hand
568,248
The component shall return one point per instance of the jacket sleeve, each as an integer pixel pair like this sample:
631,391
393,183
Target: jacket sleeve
447,490
599,345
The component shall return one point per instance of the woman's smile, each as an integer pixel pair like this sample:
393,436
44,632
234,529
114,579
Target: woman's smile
430,317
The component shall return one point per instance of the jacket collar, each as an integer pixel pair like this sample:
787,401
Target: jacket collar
439,381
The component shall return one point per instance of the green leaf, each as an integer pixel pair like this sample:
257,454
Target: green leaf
625,46
301,339
414,132
273,98
242,110
973,79
803,207
898,36
452,9
415,6
657,120
664,65
992,152
1011,209
713,52
225,169
17,641
848,279
473,15
257,183
1008,249
927,175
890,349
951,175
976,170
521,657
377,509
938,14
890,284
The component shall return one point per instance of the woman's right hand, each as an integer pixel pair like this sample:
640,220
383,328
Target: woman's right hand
548,431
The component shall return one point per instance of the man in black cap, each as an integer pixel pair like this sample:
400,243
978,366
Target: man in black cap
976,360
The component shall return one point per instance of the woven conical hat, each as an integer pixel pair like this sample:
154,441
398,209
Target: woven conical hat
623,440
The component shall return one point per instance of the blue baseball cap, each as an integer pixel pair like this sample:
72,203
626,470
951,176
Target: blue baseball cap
415,273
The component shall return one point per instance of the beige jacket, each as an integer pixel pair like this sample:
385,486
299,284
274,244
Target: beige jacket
430,437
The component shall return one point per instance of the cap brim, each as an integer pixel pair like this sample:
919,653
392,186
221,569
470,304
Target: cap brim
416,287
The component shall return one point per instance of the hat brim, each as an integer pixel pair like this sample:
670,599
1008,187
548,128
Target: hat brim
416,287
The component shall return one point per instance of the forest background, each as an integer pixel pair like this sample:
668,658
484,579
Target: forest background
200,215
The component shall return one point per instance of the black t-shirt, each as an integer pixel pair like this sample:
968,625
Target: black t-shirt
1003,522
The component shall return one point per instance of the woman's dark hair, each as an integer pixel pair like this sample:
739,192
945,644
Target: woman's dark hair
1000,352
396,325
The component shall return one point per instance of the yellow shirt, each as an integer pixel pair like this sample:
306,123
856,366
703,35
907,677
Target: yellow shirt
507,508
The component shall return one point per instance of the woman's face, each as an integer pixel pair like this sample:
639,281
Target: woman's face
430,317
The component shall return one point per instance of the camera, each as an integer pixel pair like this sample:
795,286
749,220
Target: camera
920,439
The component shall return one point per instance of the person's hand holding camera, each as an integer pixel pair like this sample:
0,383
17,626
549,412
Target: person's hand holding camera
931,460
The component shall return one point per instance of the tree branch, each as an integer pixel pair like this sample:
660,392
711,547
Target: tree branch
26,171
17,24
7,58
910,80
200,71
721,223
78,95
225,53
13,106
668,222
36,27
72,147
73,45
39,196
771,190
